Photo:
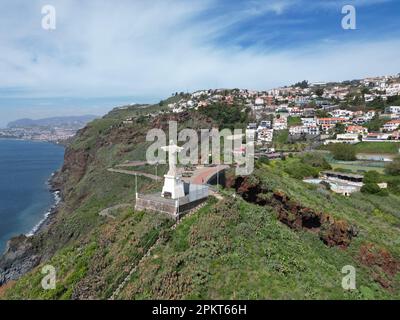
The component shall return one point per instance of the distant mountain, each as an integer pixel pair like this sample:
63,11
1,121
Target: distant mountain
71,121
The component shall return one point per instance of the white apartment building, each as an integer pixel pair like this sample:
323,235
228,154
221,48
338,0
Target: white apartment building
391,125
259,102
310,130
341,113
347,138
264,124
393,109
280,124
309,121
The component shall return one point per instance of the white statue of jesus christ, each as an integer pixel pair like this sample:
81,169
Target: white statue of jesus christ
173,151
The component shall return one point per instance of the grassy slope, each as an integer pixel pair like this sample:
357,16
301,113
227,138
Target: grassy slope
378,147
237,250
230,249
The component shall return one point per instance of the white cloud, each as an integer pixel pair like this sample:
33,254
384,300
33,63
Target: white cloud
104,48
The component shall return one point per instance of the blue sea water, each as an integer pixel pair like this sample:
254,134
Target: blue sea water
25,168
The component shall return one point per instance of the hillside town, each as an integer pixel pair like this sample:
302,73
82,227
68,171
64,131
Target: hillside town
55,130
38,134
347,112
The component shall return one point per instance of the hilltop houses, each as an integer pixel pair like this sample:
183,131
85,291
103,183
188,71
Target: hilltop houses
391,125
280,123
356,130
329,123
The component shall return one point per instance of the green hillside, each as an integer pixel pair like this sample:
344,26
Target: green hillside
272,236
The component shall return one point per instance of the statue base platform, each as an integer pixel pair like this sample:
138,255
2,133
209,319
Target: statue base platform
173,188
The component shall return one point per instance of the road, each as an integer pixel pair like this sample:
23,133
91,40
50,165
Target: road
134,173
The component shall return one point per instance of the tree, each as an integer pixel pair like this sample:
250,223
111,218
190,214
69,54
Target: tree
340,128
393,168
371,188
321,113
316,160
375,124
319,92
377,104
365,91
372,177
303,84
343,152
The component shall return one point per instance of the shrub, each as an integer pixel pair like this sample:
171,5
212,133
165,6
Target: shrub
344,170
300,170
371,188
344,152
263,160
372,177
393,168
316,160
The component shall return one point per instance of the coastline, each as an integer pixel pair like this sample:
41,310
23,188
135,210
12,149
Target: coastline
20,254
56,142
45,221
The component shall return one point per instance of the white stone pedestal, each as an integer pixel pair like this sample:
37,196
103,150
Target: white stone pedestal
173,185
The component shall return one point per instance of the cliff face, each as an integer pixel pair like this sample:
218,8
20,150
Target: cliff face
331,231
19,257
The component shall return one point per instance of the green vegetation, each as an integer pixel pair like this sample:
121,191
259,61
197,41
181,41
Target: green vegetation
294,121
229,249
377,147
373,188
372,177
303,84
376,124
393,168
316,160
227,116
345,152
281,137
299,170
340,128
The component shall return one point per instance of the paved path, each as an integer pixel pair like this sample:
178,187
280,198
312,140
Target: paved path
134,173
132,164
204,174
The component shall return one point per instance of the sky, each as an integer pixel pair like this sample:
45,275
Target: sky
107,53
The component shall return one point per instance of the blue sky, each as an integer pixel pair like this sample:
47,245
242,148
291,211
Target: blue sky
105,53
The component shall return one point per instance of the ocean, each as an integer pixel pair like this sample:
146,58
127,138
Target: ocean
25,198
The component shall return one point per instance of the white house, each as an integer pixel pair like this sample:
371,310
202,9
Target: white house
391,125
347,138
310,130
309,122
265,124
280,124
376,137
259,102
393,109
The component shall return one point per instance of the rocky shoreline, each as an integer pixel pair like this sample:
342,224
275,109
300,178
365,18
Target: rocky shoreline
21,254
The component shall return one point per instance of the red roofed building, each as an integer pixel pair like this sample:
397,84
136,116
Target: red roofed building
329,123
391,125
356,130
